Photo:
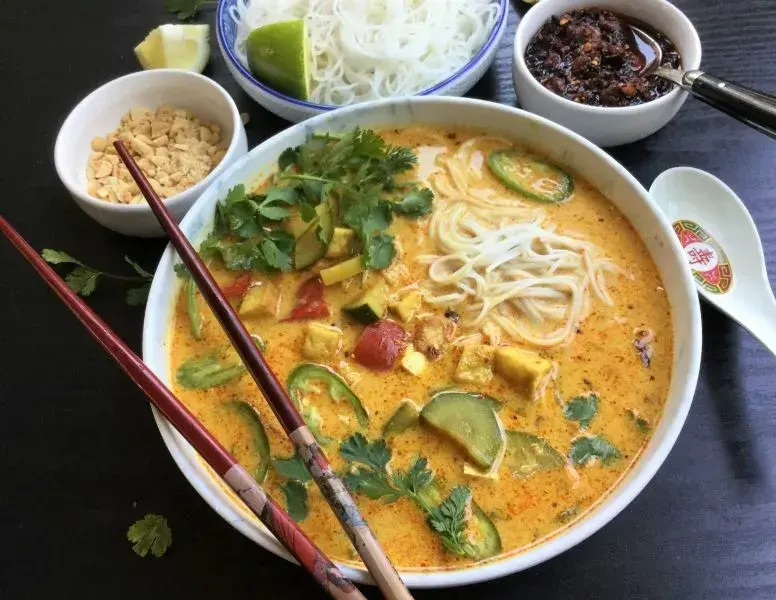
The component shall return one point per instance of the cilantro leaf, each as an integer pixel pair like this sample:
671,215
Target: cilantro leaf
138,296
83,280
57,257
415,478
181,271
274,256
292,468
567,514
449,521
288,158
151,533
295,494
307,212
206,372
374,485
581,409
586,449
379,251
358,450
184,9
414,204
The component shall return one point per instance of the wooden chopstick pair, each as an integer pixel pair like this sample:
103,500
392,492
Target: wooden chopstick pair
323,570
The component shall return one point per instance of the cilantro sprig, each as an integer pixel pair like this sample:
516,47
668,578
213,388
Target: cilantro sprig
363,172
150,534
186,9
369,475
83,279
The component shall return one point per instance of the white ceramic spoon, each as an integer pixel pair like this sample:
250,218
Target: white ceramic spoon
722,247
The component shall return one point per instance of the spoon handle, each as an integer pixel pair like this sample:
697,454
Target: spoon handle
756,109
760,320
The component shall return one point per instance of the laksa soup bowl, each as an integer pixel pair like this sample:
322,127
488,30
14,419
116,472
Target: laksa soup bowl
639,233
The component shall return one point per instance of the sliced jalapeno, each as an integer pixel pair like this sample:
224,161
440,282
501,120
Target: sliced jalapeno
531,176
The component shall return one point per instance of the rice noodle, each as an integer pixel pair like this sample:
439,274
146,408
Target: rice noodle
501,264
377,49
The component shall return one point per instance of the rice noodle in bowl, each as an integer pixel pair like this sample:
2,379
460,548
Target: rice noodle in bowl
500,262
377,49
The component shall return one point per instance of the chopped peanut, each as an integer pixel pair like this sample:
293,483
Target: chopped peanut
173,148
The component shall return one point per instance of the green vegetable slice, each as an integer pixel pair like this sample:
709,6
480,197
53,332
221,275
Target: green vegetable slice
305,373
404,417
494,403
470,421
528,454
207,371
482,536
250,417
312,244
368,307
531,176
195,316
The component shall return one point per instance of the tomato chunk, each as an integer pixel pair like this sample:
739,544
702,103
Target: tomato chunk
239,286
310,303
380,345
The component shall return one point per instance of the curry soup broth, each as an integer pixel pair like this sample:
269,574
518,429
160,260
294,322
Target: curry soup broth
602,358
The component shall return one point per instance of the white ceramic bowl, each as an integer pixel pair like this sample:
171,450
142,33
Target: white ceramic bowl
100,113
297,110
563,147
606,126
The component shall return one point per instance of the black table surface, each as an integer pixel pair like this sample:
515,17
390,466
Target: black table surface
81,459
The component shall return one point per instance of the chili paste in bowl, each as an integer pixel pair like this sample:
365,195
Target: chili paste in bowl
592,56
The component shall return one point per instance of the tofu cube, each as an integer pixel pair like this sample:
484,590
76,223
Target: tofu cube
413,361
261,300
476,364
323,342
406,308
528,372
341,243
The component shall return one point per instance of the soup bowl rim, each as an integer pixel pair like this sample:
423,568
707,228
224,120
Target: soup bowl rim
157,325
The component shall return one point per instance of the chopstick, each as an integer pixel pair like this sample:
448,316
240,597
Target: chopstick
331,486
282,526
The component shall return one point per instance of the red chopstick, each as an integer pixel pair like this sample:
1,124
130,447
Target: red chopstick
236,477
331,486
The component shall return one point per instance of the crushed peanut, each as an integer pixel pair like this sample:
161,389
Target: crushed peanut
173,148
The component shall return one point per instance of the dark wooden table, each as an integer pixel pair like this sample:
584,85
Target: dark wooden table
80,458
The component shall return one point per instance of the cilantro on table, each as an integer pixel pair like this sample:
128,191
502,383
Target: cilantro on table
581,409
370,476
586,449
83,279
356,176
151,533
186,9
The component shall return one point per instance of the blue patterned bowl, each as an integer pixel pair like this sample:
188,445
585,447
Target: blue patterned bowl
296,110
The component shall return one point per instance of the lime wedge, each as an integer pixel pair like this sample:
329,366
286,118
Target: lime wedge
175,47
279,55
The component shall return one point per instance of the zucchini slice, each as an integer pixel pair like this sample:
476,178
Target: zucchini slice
531,176
368,307
312,244
402,419
471,422
528,454
260,441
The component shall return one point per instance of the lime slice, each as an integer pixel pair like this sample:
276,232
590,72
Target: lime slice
279,55
175,47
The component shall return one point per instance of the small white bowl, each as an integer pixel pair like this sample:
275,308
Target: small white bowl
606,126
295,110
100,113
561,146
